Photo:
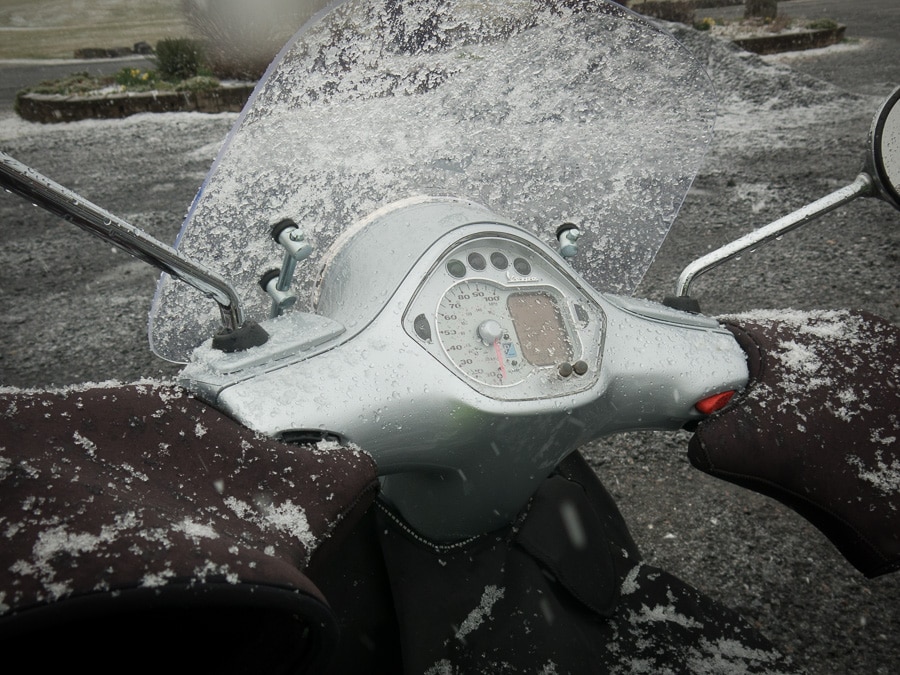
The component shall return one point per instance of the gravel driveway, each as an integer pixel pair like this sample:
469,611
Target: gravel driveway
75,310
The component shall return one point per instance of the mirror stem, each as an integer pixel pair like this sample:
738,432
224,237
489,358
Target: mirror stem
862,186
41,191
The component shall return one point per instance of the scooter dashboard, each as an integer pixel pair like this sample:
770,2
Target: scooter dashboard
508,320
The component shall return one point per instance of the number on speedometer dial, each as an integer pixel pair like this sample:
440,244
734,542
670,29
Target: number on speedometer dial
478,335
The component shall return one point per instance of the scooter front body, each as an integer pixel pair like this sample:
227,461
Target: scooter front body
469,362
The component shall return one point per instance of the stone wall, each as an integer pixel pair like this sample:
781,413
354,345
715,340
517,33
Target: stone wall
789,42
48,108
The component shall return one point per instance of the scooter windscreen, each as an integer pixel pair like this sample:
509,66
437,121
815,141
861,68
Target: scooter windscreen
545,112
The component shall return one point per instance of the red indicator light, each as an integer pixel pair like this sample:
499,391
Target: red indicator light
711,404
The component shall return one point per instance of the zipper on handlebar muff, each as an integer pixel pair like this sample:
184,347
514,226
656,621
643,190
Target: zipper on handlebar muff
277,282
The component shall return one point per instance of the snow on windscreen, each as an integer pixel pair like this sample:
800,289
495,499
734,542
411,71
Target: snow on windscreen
546,112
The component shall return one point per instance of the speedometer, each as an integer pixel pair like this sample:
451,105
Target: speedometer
477,334
507,319
498,335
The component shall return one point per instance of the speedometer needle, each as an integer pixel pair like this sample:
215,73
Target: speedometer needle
499,353
490,331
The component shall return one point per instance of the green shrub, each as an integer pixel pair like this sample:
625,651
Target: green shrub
135,78
179,58
822,24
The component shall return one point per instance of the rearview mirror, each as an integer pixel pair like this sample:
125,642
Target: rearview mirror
884,143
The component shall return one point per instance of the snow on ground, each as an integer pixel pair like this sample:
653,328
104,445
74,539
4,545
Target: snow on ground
12,126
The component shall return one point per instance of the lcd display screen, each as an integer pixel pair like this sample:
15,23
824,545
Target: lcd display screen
539,325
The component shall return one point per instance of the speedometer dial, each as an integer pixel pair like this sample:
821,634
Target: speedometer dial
478,335
506,318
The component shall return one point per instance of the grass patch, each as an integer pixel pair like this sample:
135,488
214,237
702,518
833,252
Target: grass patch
54,29
74,84
132,80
